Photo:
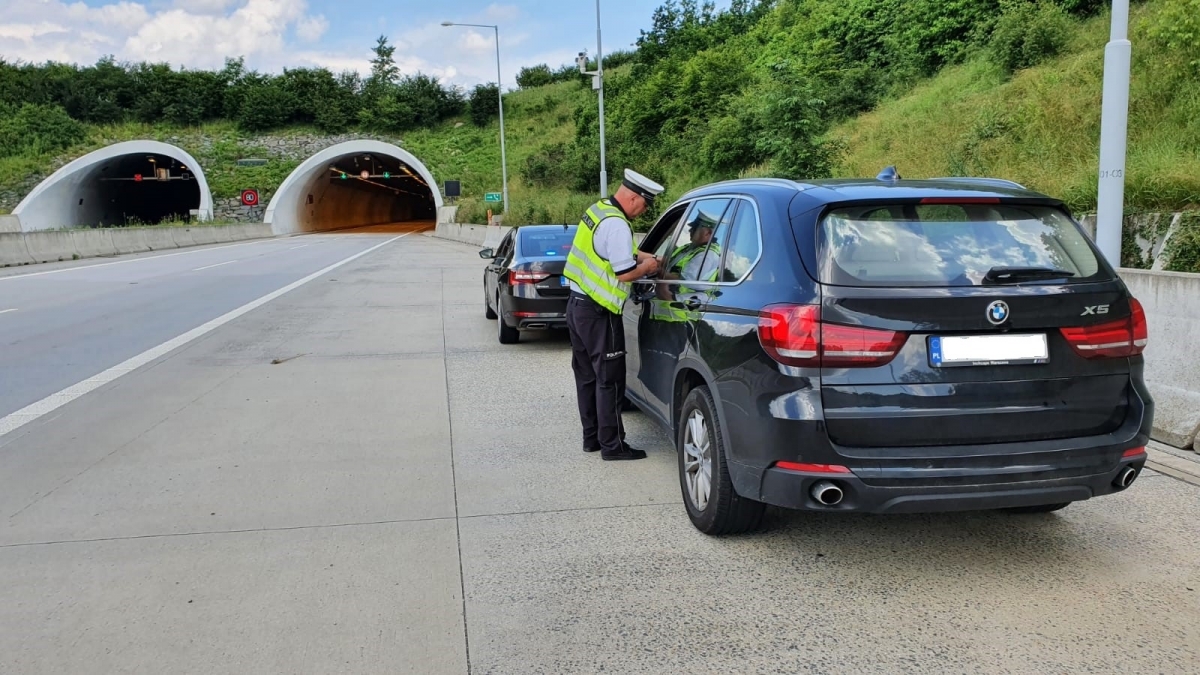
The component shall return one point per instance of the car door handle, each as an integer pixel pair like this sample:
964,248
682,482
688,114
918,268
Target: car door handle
692,303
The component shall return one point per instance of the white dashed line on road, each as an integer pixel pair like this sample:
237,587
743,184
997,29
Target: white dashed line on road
6,311
209,267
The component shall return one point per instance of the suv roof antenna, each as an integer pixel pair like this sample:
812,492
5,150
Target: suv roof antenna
889,175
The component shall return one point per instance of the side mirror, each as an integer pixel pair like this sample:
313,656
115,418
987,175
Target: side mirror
487,254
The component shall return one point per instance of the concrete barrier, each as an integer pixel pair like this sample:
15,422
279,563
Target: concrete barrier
1172,303
9,223
24,248
91,243
477,235
182,236
129,240
223,234
204,235
51,246
159,238
13,250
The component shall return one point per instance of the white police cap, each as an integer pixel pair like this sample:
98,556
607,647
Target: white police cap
641,185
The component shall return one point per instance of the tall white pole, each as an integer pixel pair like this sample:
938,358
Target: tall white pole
600,77
1114,126
500,94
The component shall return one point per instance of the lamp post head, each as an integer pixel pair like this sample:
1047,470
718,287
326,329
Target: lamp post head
447,23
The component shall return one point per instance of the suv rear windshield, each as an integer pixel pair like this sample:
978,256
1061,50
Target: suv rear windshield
949,244
547,242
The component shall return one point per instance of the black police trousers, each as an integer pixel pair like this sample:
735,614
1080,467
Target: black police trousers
598,359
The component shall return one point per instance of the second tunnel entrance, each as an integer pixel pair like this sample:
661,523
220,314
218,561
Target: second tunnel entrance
354,184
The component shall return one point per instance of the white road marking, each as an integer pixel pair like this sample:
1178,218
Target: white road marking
209,267
53,402
132,260
296,247
6,311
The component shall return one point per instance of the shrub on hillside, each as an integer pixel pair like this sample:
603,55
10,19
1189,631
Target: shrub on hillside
484,104
36,129
1028,33
792,120
1177,27
534,76
545,168
266,106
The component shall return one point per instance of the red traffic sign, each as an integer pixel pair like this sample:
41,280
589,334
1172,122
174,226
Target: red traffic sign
137,177
250,197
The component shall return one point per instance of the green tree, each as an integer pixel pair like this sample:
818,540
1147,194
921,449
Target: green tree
484,103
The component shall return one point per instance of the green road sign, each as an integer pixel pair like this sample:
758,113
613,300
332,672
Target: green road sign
492,197
387,174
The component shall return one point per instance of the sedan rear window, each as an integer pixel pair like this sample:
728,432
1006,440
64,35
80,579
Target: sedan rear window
952,245
547,242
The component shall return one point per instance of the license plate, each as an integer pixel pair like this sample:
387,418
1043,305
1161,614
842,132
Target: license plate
988,350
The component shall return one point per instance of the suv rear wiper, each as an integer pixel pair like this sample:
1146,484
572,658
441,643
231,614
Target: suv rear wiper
1011,275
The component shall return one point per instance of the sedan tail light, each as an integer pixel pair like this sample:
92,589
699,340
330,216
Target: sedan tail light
794,335
526,277
1116,339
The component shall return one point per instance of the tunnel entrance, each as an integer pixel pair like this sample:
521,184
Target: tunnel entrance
355,184
133,183
139,190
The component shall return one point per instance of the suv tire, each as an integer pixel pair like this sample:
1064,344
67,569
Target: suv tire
708,495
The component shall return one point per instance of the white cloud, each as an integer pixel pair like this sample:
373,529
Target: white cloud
270,34
192,33
310,29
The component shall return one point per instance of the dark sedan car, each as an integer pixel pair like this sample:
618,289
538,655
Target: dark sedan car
886,346
523,285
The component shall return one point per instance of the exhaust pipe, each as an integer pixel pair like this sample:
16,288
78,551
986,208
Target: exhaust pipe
536,326
827,494
1126,477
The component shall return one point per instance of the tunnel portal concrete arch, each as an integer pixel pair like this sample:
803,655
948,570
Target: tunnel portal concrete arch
102,188
328,191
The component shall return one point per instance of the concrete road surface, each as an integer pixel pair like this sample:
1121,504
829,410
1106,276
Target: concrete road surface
355,477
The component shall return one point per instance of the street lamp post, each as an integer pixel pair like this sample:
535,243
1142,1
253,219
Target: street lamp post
1114,127
500,96
598,78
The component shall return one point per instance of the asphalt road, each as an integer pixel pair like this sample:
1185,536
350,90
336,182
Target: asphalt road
61,325
356,477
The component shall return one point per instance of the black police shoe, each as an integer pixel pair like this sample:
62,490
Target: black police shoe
626,453
588,448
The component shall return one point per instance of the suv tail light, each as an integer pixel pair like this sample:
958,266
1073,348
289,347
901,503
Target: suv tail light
1115,339
794,335
526,277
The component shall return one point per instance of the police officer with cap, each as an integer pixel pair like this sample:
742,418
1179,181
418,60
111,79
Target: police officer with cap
603,262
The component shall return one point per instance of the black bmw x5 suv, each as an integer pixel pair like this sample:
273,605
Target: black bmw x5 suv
886,346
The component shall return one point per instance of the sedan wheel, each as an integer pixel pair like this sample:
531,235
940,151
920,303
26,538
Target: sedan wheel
504,333
487,306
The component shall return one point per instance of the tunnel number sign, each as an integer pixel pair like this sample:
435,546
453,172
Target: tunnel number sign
492,197
250,197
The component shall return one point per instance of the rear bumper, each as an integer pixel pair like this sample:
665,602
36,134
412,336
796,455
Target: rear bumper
910,479
534,313
792,490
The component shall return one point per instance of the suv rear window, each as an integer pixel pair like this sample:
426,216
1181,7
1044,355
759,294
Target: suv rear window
948,244
547,242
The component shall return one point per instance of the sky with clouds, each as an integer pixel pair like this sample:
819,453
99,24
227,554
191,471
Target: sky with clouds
277,34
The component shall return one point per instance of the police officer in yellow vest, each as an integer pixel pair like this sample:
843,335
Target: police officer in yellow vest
603,262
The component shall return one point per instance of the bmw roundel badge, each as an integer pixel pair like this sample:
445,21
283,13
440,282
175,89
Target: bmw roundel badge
997,312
